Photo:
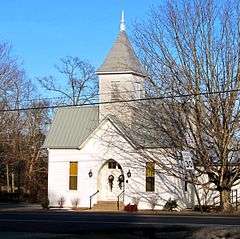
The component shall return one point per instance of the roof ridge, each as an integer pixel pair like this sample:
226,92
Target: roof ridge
78,107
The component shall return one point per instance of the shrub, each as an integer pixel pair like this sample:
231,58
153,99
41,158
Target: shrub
207,208
45,203
170,205
10,197
136,200
153,200
75,202
61,202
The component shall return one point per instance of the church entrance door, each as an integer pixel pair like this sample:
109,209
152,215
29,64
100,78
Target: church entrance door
110,181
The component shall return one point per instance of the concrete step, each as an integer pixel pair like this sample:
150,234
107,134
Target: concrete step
107,206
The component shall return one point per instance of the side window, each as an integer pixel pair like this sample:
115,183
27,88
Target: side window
115,93
150,177
73,175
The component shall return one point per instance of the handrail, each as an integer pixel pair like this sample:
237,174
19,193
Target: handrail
118,197
90,198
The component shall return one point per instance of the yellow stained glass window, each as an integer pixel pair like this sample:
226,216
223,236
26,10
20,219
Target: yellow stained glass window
73,174
150,169
150,177
73,168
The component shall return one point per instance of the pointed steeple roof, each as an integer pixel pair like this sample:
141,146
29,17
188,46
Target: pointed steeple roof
121,58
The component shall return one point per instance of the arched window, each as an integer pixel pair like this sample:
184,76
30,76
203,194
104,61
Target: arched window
112,164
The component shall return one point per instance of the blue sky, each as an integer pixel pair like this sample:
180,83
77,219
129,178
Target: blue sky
43,31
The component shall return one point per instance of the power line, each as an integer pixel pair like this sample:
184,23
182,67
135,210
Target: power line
120,101
86,96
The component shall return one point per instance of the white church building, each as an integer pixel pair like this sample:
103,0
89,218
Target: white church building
91,159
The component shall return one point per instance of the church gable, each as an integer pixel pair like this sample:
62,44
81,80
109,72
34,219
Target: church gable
108,134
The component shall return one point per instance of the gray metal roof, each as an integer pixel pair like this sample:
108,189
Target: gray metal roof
141,136
71,127
121,58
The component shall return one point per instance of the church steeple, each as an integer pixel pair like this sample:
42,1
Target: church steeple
122,23
121,58
121,77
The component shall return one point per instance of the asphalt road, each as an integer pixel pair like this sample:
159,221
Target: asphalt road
77,222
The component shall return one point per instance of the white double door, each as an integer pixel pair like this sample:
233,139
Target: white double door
109,191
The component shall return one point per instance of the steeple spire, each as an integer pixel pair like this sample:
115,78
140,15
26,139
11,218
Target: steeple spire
121,58
122,23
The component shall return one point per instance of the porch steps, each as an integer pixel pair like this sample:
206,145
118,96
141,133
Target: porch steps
107,206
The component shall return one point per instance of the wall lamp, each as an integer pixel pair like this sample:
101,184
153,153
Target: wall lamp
90,173
129,174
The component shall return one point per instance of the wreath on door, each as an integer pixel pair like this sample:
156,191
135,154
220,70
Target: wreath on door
120,181
110,181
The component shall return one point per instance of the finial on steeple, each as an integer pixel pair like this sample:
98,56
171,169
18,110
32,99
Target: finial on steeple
122,23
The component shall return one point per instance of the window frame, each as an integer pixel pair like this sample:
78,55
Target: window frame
73,176
150,177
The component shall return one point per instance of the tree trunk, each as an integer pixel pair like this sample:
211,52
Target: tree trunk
13,183
225,200
7,175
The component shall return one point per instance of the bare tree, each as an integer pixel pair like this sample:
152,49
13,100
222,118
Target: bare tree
77,82
10,77
9,70
22,132
190,47
35,158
